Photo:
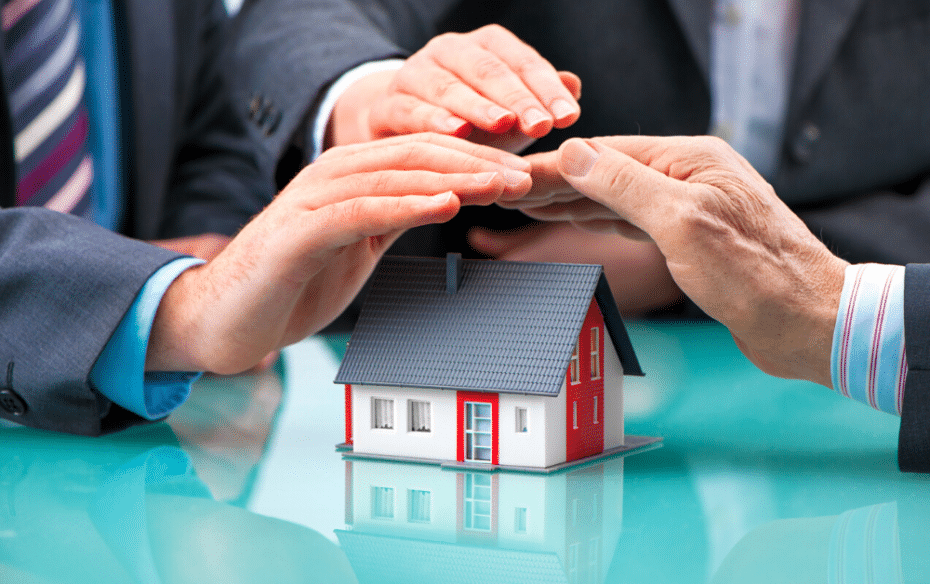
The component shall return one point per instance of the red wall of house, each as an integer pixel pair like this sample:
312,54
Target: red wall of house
348,414
588,438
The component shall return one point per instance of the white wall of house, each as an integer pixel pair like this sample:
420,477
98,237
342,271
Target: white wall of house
439,443
528,448
613,396
556,440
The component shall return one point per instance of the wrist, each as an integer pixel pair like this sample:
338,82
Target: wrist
349,122
175,343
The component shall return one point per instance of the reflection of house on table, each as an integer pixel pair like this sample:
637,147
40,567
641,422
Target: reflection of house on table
502,364
422,524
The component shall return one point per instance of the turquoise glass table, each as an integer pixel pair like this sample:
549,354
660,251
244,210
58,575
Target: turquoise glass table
756,480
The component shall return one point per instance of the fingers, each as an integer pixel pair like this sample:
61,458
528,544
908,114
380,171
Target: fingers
634,191
348,222
489,78
479,151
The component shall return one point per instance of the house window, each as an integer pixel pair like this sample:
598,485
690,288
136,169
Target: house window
382,503
595,409
418,504
522,420
418,416
478,437
573,367
519,521
574,415
595,353
382,413
478,501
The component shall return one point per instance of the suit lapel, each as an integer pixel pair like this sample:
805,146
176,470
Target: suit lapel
150,38
824,25
695,18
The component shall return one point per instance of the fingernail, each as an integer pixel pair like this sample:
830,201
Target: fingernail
496,113
453,124
533,117
578,158
442,198
514,177
562,109
484,178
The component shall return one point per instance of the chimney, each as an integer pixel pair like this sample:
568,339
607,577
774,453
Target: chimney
453,272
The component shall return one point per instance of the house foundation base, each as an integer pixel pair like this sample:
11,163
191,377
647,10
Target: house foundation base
631,444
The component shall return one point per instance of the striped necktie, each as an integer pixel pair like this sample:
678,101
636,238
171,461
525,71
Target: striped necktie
45,79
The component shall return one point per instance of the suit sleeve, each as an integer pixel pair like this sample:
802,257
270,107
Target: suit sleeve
220,178
914,438
288,52
65,285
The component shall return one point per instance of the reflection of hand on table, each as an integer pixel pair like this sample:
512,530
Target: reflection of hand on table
297,264
487,85
730,243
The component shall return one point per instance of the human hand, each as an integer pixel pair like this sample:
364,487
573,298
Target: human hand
486,85
205,247
299,263
636,270
730,243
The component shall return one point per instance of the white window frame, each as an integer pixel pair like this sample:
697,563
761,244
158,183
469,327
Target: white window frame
522,420
574,367
418,412
574,415
382,413
596,420
595,352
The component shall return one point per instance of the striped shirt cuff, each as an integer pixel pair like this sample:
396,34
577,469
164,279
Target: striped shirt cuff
868,363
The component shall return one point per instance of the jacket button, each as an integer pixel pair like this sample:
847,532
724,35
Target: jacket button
803,146
11,403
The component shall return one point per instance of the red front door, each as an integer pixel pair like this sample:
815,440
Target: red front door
477,427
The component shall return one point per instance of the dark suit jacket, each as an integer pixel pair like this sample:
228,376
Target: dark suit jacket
190,168
856,151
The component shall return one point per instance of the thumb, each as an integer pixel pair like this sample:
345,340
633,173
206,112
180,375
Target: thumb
636,192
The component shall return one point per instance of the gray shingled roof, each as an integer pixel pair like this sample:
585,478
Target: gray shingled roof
510,327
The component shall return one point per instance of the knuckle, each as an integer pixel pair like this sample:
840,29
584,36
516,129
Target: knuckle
444,86
490,67
527,64
491,31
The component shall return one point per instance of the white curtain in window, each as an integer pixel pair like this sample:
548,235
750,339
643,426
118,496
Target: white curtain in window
419,416
384,414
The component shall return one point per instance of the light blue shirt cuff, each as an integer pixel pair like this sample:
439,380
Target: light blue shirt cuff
335,91
867,359
119,373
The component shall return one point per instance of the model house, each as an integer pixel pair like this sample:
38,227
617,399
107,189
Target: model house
489,363
434,525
